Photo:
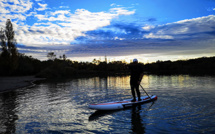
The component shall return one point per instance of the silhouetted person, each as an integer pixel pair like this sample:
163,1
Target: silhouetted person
136,71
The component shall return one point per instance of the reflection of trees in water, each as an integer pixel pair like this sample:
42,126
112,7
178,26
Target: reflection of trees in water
119,82
102,83
7,112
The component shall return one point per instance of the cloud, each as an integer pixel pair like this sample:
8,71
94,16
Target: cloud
59,27
115,31
15,10
127,28
64,7
61,12
42,7
63,26
121,11
157,36
184,29
55,30
84,33
186,37
148,27
16,6
152,20
114,4
196,24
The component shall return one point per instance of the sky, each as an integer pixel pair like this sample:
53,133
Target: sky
149,30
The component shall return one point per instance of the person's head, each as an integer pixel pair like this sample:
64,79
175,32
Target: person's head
135,61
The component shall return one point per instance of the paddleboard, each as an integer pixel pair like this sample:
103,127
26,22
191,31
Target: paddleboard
116,105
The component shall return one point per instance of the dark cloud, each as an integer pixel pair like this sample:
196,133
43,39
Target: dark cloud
119,30
190,36
101,33
26,47
152,20
128,28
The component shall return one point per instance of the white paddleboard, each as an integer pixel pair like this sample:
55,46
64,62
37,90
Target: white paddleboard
121,104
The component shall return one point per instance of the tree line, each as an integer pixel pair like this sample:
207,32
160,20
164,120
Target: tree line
13,63
198,66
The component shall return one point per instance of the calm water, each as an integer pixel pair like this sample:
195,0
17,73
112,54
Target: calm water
185,105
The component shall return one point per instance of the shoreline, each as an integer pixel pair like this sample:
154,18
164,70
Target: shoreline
15,82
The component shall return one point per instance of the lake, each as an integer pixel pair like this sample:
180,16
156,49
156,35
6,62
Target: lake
186,104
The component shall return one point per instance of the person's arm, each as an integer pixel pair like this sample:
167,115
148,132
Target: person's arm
140,78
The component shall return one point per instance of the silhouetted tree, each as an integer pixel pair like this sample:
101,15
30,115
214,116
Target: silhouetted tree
4,51
200,66
64,57
96,61
51,55
9,53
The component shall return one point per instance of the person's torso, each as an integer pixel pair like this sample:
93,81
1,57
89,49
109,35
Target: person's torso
135,70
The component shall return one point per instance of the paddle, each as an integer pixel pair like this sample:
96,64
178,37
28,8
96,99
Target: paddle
145,92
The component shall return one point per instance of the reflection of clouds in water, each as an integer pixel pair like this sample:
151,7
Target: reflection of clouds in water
8,116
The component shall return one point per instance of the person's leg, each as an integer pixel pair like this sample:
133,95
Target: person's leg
138,92
132,84
133,93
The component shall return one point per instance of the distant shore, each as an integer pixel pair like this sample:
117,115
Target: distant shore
15,82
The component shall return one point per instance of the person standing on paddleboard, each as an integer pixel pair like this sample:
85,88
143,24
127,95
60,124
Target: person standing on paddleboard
136,71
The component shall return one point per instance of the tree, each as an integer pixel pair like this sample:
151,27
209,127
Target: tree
9,53
8,42
51,55
64,57
96,62
3,43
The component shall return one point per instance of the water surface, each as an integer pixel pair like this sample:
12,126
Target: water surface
185,105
